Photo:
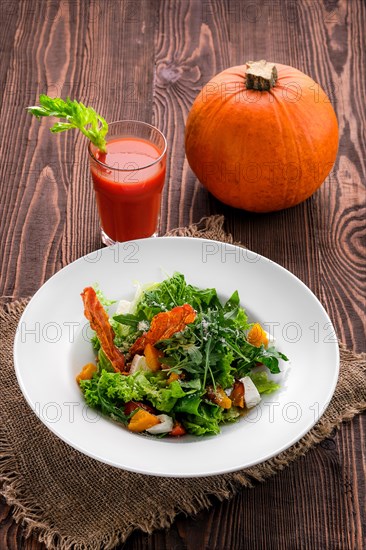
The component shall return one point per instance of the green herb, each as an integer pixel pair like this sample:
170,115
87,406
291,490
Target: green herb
77,115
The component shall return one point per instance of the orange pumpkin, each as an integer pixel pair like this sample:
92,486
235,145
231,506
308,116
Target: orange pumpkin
257,336
261,137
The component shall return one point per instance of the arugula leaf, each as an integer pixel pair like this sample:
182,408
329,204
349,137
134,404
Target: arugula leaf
270,357
77,115
233,302
203,297
195,355
128,319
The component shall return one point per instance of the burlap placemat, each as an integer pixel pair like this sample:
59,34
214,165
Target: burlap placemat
73,501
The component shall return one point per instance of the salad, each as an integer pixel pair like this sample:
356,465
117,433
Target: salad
175,359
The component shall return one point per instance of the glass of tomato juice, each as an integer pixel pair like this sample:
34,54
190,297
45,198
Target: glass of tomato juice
128,180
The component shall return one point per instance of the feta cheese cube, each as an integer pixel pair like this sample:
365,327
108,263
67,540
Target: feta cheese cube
251,394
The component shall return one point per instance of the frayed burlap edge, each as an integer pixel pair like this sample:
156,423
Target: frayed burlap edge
27,511
211,227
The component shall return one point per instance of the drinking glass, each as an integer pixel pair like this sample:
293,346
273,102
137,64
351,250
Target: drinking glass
128,180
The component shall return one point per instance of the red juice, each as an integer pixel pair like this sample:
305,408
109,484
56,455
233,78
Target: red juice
128,182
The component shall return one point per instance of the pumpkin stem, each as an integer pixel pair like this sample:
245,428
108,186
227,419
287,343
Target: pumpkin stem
260,75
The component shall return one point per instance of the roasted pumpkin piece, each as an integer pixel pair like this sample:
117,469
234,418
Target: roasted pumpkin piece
152,357
142,420
219,397
237,394
173,377
257,336
87,372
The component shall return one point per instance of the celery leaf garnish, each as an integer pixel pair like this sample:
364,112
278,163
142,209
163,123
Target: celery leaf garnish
77,115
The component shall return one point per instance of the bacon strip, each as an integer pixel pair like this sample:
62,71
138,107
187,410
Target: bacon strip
98,318
164,325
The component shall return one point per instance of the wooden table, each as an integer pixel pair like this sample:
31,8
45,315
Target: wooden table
147,59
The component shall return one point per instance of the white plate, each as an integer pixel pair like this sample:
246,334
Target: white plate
52,345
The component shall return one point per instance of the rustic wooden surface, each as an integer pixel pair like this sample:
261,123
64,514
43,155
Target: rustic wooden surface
148,59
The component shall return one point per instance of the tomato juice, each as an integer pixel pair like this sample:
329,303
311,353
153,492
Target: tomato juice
128,182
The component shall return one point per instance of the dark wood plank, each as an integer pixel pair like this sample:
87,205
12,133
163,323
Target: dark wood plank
35,202
9,15
186,59
55,184
118,77
148,60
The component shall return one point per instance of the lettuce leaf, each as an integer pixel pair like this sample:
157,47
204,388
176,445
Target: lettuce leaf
162,398
206,421
231,415
102,298
112,388
262,382
103,362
